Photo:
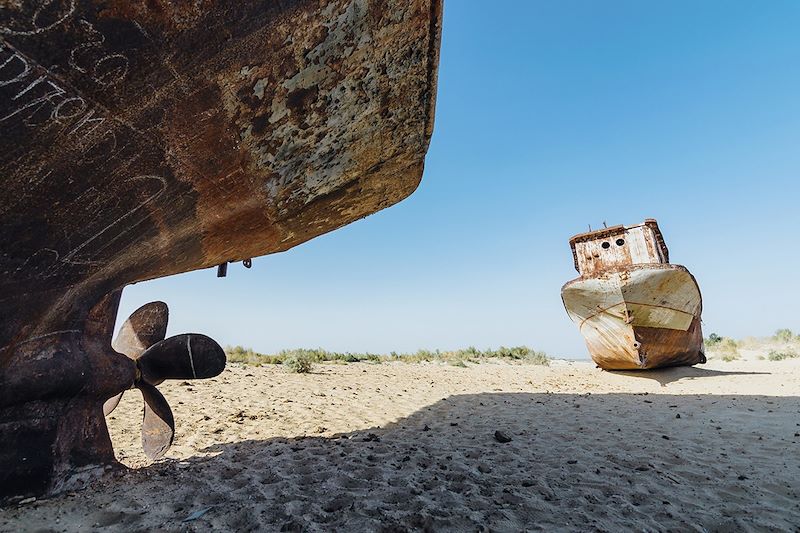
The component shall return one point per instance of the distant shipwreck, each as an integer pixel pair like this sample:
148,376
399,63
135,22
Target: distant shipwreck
634,309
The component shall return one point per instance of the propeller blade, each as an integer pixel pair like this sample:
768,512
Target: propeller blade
158,424
145,327
187,356
112,403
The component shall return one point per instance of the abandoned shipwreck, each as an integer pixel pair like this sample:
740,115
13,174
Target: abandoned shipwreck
634,309
142,139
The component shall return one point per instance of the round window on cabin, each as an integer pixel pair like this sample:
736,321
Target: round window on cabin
606,245
620,242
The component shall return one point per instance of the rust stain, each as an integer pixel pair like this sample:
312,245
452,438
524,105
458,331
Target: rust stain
150,137
634,309
175,14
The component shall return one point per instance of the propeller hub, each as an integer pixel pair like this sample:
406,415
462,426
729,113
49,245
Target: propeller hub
187,356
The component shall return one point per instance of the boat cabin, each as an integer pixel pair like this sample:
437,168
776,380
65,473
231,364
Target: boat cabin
617,246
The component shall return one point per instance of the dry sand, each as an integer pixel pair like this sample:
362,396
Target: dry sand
397,447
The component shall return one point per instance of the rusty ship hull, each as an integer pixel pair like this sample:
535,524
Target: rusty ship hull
146,138
638,317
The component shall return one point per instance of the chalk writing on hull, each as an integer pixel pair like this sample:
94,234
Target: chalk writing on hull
92,59
120,226
144,139
39,99
32,17
36,99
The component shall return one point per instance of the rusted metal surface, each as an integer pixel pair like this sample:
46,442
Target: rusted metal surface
54,433
146,138
634,309
607,248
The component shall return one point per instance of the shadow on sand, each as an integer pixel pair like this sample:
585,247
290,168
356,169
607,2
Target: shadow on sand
665,376
576,462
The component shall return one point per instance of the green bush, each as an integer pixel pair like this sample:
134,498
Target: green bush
784,335
302,358
713,340
780,356
421,356
728,349
538,358
239,354
519,353
301,362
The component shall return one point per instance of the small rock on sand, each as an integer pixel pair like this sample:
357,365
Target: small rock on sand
501,436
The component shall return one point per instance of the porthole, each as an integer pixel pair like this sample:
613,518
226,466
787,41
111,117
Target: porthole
620,242
606,245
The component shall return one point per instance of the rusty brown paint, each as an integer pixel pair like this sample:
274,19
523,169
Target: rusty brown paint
634,309
662,347
596,251
147,138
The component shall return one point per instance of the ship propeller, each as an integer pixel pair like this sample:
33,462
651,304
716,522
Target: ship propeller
186,356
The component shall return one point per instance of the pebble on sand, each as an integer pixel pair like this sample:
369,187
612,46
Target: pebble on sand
501,436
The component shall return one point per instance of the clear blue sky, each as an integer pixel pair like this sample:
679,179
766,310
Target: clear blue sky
552,116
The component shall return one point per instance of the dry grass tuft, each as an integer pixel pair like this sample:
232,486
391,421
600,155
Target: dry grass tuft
300,360
784,344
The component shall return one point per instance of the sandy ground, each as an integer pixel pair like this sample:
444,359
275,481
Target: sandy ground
394,447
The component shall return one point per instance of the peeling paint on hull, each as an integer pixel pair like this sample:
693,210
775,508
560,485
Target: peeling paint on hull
639,317
145,138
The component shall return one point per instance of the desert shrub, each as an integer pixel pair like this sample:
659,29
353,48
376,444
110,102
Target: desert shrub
239,354
723,346
302,354
301,358
728,349
371,357
537,358
347,357
780,356
421,356
462,356
510,353
473,355
712,340
300,362
470,351
784,335
519,353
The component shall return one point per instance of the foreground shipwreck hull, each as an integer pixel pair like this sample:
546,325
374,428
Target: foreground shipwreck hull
147,138
634,309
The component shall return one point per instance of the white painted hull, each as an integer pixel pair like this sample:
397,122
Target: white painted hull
641,316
